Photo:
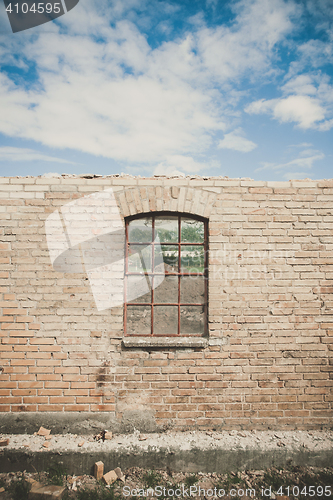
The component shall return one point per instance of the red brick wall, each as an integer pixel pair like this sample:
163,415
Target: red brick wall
269,358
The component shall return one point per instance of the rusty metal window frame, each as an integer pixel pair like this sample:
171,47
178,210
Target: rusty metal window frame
178,273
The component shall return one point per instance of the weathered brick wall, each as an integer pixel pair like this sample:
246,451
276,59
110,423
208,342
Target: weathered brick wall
269,358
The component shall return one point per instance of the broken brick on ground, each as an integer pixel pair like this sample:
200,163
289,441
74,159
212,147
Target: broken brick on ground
141,479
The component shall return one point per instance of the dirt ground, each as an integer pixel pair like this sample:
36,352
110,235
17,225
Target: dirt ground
293,483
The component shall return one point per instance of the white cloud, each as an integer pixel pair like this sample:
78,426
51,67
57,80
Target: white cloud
235,140
301,145
327,125
305,160
295,175
180,165
300,85
25,154
103,90
246,46
307,101
302,109
317,52
313,54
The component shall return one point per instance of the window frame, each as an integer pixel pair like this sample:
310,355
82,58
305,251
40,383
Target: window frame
179,274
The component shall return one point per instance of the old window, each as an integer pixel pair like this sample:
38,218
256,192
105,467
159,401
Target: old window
166,275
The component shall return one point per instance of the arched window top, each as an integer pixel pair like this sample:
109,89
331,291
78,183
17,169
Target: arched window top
168,227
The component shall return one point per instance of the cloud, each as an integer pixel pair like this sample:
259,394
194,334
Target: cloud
300,85
295,175
307,101
304,110
24,154
305,160
102,89
245,48
301,145
181,165
327,125
234,140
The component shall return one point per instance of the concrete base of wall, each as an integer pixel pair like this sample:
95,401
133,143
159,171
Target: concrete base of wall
187,452
77,423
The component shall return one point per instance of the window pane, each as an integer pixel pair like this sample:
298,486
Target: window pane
192,259
165,320
192,231
139,258
140,230
191,319
137,289
167,291
192,289
167,229
138,320
166,259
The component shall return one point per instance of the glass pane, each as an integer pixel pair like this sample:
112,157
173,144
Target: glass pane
138,320
191,319
167,291
166,259
192,259
192,231
192,289
138,289
140,230
167,229
165,320
139,258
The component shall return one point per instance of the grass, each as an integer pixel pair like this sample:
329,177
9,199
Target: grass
56,474
297,480
191,480
326,477
151,479
98,493
19,490
274,480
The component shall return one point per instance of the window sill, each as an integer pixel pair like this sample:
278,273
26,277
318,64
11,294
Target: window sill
142,342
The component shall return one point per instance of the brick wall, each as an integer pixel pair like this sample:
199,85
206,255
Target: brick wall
269,358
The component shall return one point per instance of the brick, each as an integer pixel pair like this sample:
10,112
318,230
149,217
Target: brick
43,431
76,408
102,407
49,407
98,470
110,477
51,491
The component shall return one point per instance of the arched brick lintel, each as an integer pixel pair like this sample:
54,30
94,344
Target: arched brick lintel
144,199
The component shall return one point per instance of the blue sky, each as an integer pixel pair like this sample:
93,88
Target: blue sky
198,87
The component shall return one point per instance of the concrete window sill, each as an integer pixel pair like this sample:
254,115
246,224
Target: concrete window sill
142,342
